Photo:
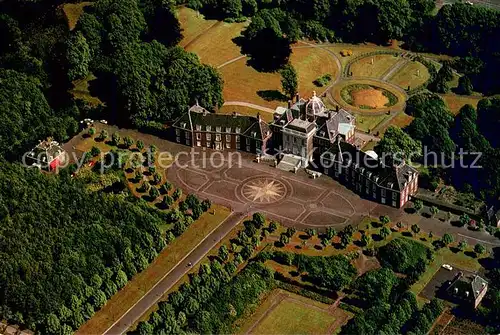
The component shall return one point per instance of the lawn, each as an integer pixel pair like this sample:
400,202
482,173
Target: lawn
381,64
401,120
408,76
72,12
455,102
81,90
244,83
144,281
357,50
268,117
287,313
193,24
367,123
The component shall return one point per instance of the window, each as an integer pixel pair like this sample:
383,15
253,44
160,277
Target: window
383,192
247,140
178,139
383,200
217,137
198,127
188,141
228,145
228,129
198,136
327,172
237,139
228,138
209,128
208,144
394,195
188,135
217,146
218,129
248,147
198,143
177,132
393,203
374,195
209,137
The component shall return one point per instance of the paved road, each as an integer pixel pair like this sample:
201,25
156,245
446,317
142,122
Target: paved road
149,299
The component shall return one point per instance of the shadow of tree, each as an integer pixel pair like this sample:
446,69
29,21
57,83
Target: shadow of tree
272,95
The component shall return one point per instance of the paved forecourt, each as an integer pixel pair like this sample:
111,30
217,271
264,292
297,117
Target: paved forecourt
247,186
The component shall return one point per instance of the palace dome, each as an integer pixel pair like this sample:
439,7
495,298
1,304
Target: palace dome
315,106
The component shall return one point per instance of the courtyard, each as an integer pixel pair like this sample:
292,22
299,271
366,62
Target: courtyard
247,186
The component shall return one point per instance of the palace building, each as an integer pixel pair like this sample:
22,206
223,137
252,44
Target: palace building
200,128
303,133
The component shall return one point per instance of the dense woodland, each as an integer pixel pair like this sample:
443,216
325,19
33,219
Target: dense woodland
65,251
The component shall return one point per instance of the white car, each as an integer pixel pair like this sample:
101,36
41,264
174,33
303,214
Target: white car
447,267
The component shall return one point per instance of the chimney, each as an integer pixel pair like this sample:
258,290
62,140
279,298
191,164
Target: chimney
289,104
337,108
297,96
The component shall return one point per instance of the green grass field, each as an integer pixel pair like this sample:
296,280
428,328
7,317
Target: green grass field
381,64
455,102
408,75
287,313
73,11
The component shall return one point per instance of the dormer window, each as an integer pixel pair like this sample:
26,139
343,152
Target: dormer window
209,128
237,130
218,129
183,124
254,134
198,127
228,129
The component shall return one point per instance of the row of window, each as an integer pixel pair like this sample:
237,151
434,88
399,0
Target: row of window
218,128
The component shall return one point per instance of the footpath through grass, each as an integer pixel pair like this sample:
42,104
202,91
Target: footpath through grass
144,281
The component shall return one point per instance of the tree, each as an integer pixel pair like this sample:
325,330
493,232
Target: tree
365,240
78,56
145,328
177,194
289,81
330,233
258,220
479,249
434,210
284,239
385,219
140,145
95,151
418,205
464,85
103,135
91,131
415,228
311,232
376,285
115,138
156,178
290,231
273,226
447,239
384,232
128,141
399,145
464,219
462,245
223,253
53,324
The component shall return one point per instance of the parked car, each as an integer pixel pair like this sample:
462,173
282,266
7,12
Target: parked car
447,267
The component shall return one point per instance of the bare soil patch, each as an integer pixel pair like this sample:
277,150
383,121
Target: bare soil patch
369,97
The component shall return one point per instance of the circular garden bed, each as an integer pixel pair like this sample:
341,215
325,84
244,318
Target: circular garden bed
366,96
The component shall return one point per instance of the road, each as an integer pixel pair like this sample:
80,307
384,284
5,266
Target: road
156,292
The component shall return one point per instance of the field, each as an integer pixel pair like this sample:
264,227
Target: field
455,102
72,12
213,42
407,75
381,64
357,50
367,123
81,90
287,313
244,83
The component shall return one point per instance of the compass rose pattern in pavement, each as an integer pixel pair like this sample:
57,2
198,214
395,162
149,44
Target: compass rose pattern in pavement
264,191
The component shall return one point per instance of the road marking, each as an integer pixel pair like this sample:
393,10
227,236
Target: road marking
473,238
172,269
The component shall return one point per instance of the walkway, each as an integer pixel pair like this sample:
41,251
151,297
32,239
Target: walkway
156,292
250,105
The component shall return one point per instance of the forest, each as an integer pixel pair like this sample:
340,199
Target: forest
65,251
